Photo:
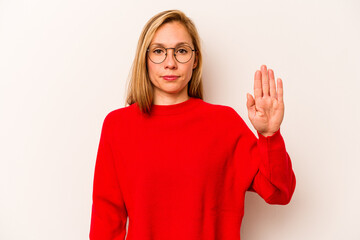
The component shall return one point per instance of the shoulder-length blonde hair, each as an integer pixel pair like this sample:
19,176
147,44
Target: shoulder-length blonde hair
140,89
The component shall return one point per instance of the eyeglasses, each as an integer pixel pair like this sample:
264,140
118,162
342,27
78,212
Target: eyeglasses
182,53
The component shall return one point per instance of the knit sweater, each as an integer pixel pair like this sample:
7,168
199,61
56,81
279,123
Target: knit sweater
181,173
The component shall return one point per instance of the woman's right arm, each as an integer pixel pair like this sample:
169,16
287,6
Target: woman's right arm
109,215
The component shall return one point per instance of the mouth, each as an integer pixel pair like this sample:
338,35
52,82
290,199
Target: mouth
170,77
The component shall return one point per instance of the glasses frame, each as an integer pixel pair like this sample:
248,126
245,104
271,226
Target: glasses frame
166,53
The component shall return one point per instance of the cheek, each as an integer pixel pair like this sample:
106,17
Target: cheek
189,68
151,68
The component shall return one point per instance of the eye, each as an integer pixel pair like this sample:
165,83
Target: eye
158,51
182,50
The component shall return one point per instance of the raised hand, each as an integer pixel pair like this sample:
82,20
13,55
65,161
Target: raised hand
266,110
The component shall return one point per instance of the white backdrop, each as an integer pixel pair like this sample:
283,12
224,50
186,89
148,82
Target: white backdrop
64,65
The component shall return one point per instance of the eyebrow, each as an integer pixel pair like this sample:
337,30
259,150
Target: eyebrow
180,43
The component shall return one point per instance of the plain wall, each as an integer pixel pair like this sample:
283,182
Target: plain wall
64,65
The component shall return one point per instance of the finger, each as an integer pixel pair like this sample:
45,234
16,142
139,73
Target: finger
264,80
280,90
250,104
250,101
257,85
272,84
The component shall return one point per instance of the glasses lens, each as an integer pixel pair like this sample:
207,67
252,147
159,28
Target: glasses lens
183,53
157,54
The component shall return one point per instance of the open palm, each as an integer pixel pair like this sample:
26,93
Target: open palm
266,110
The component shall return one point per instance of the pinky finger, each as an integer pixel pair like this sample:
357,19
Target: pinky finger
280,90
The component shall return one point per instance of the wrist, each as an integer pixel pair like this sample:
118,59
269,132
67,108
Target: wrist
268,134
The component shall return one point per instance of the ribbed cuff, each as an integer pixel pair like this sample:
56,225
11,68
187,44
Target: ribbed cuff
273,142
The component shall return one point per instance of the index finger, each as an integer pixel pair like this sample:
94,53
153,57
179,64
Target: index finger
257,85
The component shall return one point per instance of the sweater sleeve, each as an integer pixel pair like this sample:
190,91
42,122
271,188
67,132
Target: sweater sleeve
264,164
275,179
109,215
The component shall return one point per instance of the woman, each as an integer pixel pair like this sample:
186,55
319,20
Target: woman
176,165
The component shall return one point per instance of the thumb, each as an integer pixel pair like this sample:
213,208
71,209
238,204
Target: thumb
250,103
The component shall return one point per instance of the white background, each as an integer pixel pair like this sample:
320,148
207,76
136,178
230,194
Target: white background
64,66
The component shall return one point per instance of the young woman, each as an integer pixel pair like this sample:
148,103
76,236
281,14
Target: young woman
176,165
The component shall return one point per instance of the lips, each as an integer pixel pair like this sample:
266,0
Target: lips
170,77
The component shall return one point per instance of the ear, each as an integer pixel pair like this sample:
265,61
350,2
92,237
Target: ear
196,60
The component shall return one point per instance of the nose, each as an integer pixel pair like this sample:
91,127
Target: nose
170,61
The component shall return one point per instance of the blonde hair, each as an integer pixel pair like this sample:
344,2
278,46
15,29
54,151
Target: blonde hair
140,89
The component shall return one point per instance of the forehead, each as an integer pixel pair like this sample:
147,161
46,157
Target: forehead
172,34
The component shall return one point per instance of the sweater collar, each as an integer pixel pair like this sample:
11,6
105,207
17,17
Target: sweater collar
175,108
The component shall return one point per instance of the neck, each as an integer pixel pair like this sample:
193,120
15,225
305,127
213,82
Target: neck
169,99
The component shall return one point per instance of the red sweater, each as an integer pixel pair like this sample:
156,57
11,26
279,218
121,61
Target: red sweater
182,173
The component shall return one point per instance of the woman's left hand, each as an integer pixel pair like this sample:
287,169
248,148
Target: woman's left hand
266,111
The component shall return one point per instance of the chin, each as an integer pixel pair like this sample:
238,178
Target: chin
172,91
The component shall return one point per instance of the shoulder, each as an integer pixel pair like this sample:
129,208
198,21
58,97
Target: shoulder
119,115
221,111
226,118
